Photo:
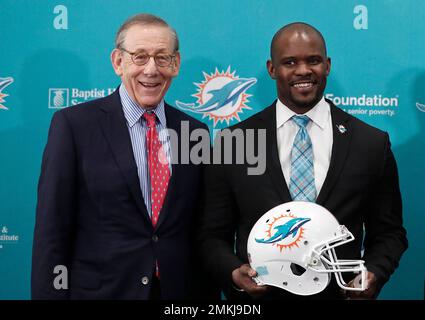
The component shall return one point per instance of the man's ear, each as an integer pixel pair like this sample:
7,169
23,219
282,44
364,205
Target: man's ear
271,69
175,67
116,59
328,67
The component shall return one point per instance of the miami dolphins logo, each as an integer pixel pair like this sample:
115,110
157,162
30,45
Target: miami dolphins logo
221,96
285,231
4,82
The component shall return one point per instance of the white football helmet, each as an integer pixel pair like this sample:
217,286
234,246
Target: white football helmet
292,246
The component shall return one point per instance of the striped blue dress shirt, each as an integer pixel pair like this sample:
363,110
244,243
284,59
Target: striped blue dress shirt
138,128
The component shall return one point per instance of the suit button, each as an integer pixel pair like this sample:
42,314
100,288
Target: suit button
145,280
155,238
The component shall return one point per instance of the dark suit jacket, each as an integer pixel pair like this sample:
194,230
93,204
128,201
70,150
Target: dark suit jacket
361,186
91,216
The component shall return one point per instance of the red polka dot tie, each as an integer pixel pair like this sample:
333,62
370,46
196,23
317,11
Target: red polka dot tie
159,172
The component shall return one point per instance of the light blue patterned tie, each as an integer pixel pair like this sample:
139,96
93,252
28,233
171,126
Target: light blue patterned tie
301,185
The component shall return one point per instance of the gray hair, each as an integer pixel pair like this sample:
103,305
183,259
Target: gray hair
144,19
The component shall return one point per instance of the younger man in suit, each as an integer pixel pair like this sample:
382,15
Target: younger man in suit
351,171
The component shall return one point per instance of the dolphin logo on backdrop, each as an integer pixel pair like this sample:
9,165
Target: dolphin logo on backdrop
221,96
4,82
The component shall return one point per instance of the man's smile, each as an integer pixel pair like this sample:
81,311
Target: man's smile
304,86
150,84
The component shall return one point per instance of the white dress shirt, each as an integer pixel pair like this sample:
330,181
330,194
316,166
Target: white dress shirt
320,131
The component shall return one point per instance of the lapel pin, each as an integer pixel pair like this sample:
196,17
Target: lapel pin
341,128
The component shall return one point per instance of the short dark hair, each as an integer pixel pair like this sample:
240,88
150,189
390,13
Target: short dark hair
144,19
301,25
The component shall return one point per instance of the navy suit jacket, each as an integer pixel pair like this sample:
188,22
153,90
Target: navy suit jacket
361,188
91,216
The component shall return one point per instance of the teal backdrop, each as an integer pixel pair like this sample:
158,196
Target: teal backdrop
56,53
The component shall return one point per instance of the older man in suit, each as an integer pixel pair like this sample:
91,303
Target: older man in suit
114,207
348,167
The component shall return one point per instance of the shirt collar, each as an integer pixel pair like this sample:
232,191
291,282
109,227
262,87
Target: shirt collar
133,111
318,114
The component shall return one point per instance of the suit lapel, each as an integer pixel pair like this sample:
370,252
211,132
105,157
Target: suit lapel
274,168
114,127
342,133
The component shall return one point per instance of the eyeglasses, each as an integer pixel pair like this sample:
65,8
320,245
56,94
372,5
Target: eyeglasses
142,58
